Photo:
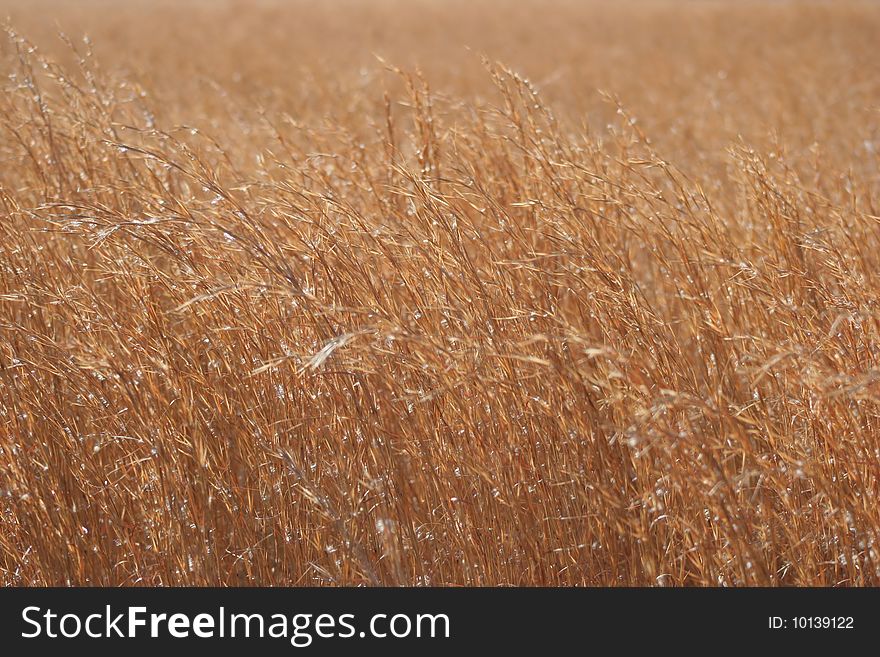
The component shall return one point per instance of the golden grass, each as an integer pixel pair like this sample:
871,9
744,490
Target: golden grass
275,311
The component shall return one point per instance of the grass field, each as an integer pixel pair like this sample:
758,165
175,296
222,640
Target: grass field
440,293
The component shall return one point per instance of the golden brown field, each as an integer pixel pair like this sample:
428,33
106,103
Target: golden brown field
472,292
